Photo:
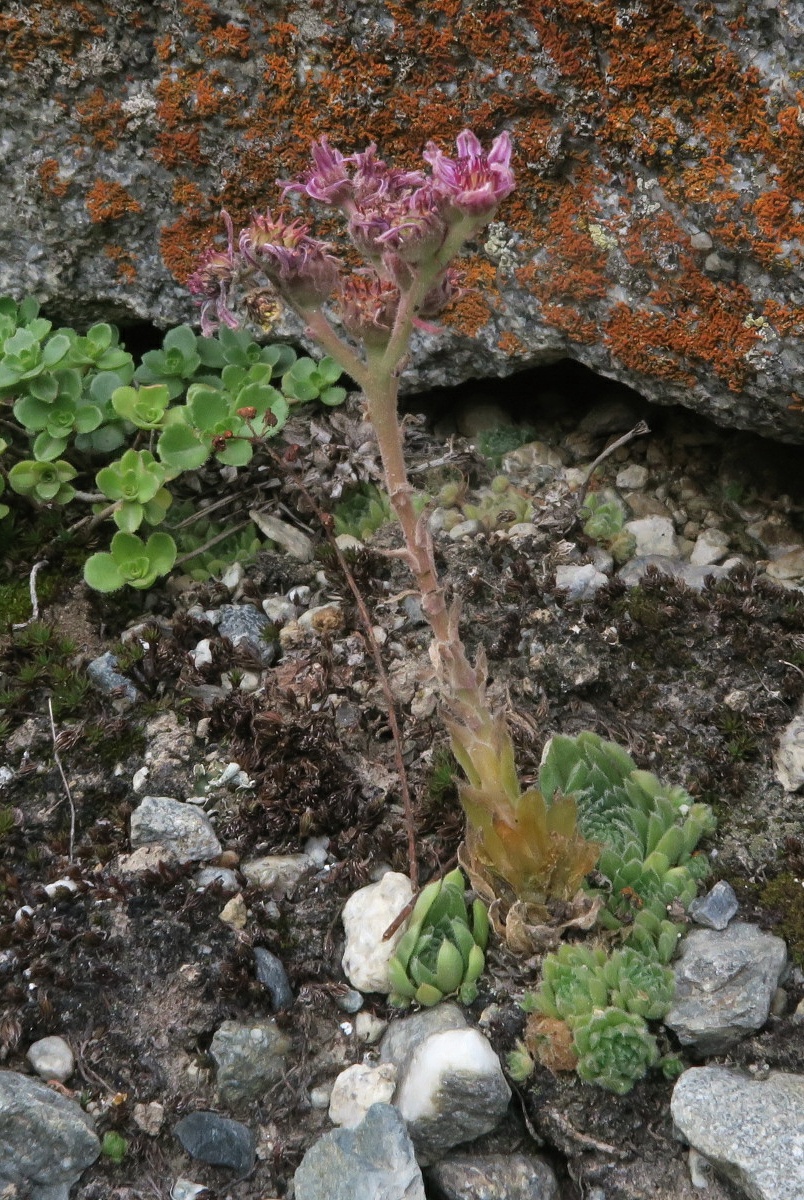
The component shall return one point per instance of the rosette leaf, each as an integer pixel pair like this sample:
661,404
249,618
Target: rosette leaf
614,1048
441,952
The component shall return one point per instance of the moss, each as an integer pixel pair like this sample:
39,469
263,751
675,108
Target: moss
783,897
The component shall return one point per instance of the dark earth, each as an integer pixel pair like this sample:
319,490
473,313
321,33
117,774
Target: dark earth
137,973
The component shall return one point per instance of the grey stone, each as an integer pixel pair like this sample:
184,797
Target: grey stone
120,166
654,535
788,762
274,978
725,981
224,877
789,569
632,478
466,528
579,581
451,1091
710,547
479,416
615,415
278,610
694,577
366,915
359,1087
250,1056
350,1001
180,827
535,464
46,1139
403,1037
295,543
276,872
373,1161
750,1130
716,908
103,673
492,1177
51,1058
217,1140
243,625
776,536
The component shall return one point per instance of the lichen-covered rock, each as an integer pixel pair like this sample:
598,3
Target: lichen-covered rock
725,982
47,1140
656,233
374,1161
750,1130
452,1091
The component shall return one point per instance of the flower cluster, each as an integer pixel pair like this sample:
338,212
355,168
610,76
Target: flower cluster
406,225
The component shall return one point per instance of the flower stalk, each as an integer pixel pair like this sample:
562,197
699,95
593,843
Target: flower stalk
409,226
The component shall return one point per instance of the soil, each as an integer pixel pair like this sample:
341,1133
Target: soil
137,972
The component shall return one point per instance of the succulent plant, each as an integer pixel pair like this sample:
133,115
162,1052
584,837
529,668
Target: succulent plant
648,830
442,950
614,1048
136,483
48,482
362,511
131,561
144,407
603,518
174,365
578,979
310,380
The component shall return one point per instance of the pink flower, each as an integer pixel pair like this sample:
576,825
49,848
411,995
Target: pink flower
328,179
368,307
296,264
212,281
416,228
474,183
348,183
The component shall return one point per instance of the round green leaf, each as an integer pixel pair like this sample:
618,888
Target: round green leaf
128,516
102,573
180,447
55,349
207,407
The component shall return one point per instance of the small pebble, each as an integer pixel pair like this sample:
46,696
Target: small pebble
716,908
319,1096
185,1189
51,1058
273,976
149,1117
369,1029
349,1001
217,1140
234,912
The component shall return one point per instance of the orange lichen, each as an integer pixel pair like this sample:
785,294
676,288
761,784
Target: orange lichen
233,41
472,310
662,100
123,262
103,118
109,201
182,241
200,16
50,179
510,343
787,321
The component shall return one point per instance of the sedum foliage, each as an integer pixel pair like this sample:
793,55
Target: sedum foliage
79,399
